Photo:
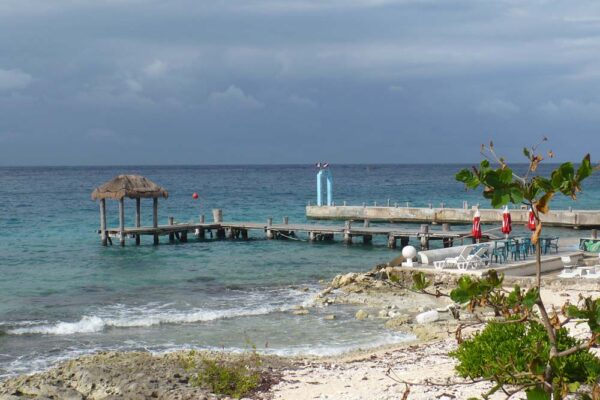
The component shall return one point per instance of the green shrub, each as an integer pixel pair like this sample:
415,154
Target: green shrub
517,354
234,376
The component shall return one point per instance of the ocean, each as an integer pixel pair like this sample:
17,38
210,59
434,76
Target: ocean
63,295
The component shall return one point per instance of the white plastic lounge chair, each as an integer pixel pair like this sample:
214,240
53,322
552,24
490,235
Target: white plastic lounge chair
453,261
474,261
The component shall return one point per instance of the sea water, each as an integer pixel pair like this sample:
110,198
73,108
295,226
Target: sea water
63,295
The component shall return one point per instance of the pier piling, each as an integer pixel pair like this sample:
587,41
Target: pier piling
424,236
103,222
269,231
155,219
391,241
347,235
122,222
172,234
138,218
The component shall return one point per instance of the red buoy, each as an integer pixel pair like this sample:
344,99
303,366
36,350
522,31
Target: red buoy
195,196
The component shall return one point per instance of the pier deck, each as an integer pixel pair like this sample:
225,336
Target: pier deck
312,232
577,219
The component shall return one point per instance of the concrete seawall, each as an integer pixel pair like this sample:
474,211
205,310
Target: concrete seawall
578,219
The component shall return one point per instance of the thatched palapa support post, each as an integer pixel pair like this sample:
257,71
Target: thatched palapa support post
134,187
138,218
103,234
155,218
121,222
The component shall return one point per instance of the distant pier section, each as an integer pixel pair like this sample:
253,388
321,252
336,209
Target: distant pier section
577,219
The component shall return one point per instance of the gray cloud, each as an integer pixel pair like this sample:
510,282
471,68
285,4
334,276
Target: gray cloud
14,79
283,74
233,97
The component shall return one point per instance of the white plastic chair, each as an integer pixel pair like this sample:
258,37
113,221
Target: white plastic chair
453,261
474,261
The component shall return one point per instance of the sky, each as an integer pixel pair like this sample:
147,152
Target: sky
118,82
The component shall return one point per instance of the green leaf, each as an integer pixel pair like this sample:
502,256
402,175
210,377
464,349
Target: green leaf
493,278
516,195
543,183
573,387
468,178
459,295
526,153
537,394
585,169
420,281
530,297
500,198
573,311
506,176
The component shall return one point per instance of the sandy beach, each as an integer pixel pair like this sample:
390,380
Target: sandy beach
420,369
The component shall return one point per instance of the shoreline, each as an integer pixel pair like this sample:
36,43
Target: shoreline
355,374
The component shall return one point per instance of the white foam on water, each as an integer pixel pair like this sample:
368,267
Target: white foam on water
122,316
318,350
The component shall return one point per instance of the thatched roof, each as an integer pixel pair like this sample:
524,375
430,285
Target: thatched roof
132,186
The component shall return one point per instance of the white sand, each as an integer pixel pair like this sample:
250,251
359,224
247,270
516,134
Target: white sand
366,376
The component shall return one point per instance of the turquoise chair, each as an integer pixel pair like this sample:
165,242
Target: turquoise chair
514,249
499,252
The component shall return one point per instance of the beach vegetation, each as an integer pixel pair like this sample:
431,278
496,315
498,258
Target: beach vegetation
225,374
524,347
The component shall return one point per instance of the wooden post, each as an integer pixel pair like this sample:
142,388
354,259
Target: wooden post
122,221
594,233
347,235
171,234
200,233
138,218
424,234
270,234
183,237
217,215
285,220
218,218
312,236
367,239
103,221
155,218
230,233
391,241
366,223
244,234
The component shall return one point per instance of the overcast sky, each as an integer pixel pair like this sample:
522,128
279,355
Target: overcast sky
277,81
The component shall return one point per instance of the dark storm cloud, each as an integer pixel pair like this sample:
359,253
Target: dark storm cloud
260,81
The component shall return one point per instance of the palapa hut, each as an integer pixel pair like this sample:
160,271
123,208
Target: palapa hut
132,186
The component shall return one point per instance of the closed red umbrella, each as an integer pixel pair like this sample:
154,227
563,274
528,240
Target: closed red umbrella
506,222
476,231
531,220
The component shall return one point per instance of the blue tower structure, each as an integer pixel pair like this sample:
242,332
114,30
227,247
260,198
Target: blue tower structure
324,173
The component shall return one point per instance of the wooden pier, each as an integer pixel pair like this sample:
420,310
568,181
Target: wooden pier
347,233
138,187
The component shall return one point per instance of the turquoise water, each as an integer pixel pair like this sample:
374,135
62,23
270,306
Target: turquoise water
62,294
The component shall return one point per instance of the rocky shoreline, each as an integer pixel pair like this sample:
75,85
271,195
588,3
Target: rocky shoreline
383,293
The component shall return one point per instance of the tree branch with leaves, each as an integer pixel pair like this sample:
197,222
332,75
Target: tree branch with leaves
526,347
